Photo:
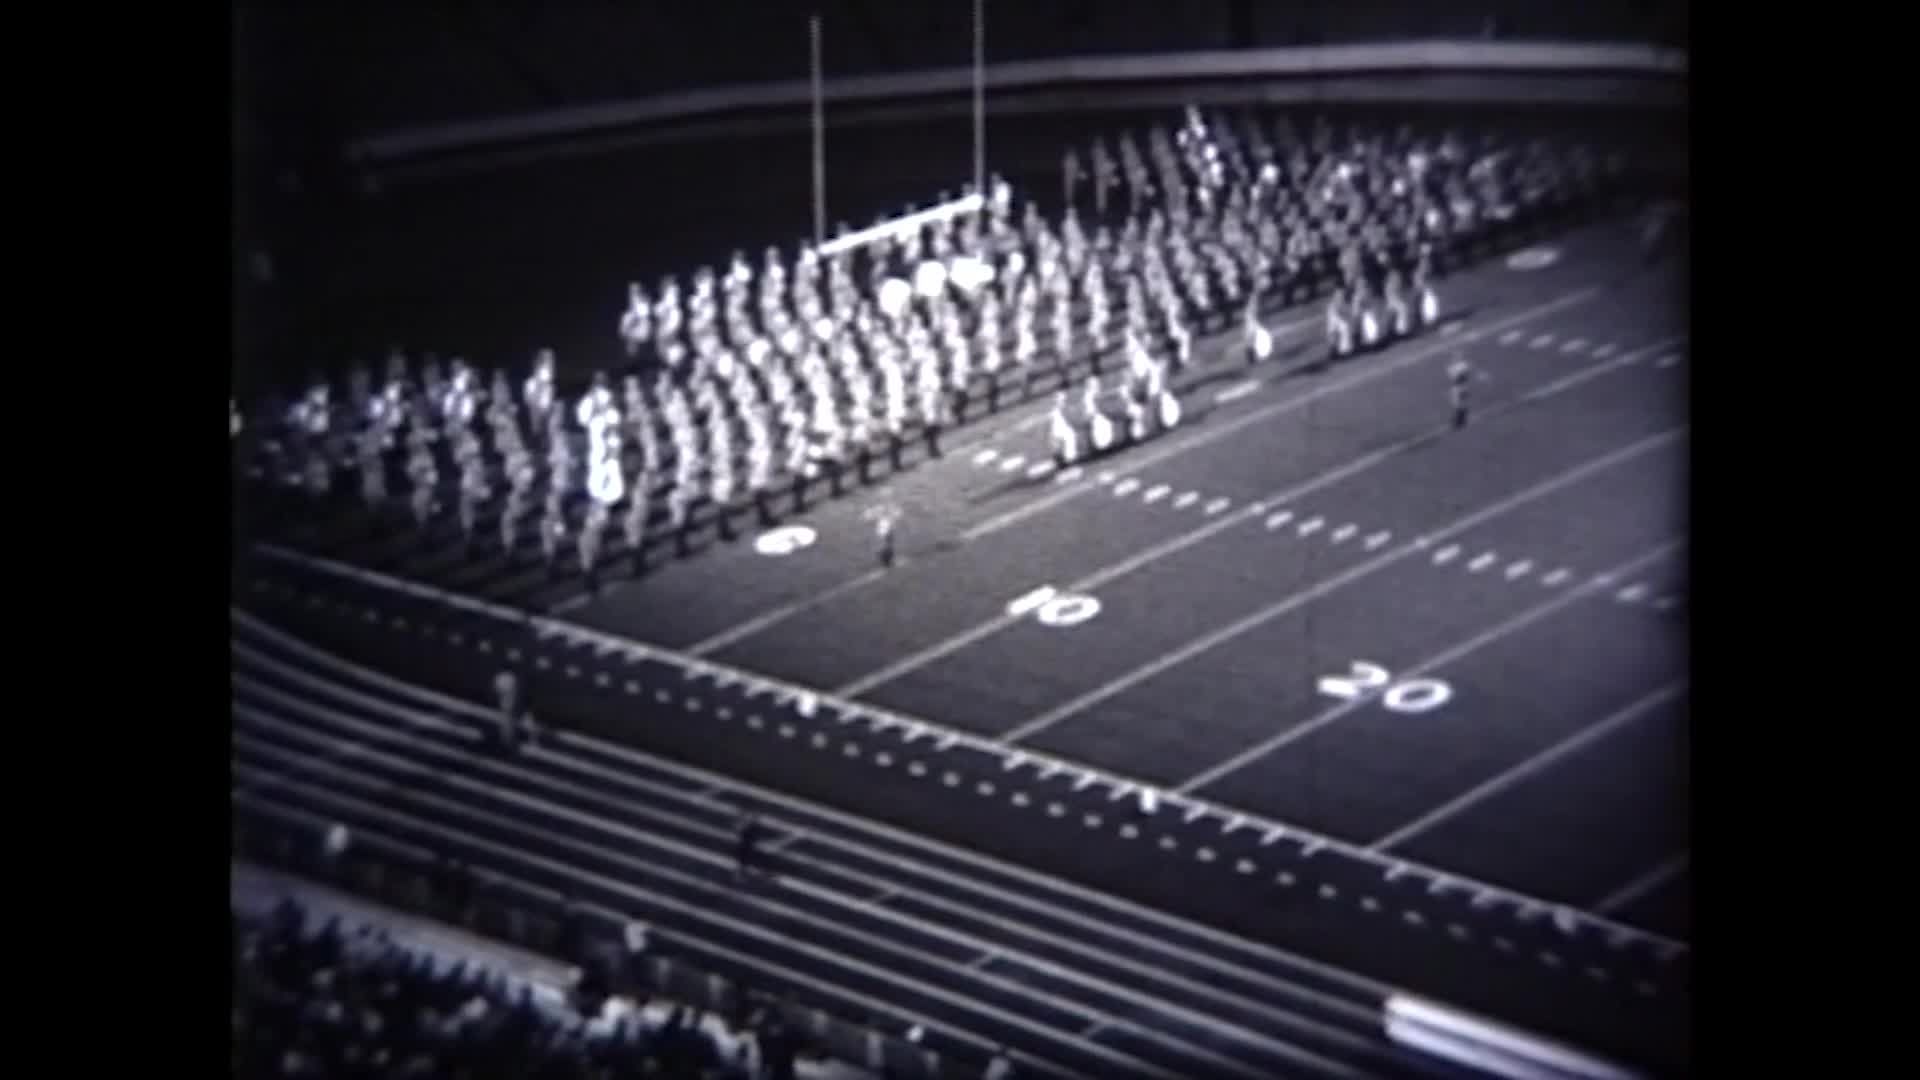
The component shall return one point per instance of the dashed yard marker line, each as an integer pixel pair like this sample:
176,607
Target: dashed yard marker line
1578,344
1235,393
1554,579
1069,475
1446,554
1186,499
1511,336
1378,539
1542,341
1606,350
1667,361
1519,569
1126,487
1217,505
1481,562
1632,594
1013,463
1341,534
1156,493
1104,478
1308,528
1279,519
1191,443
1664,603
1039,469
985,456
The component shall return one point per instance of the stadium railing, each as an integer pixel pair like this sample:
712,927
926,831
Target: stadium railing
1581,73
811,707
515,913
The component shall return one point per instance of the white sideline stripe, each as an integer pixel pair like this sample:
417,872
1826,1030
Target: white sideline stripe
1642,885
1518,622
1321,588
1207,436
1524,769
1235,393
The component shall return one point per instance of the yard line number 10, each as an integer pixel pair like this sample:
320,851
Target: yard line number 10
1404,696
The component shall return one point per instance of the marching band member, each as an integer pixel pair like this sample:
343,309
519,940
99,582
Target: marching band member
679,507
1369,323
1339,330
595,410
896,415
1134,398
633,523
932,411
637,322
829,442
1259,340
1062,312
373,472
1460,377
519,495
474,492
1423,289
424,474
537,392
720,491
1026,346
1061,434
560,454
606,480
799,455
960,375
1182,341
1399,314
760,470
1100,429
884,517
992,360
553,536
591,533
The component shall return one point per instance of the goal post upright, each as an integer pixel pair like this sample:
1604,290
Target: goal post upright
980,96
819,132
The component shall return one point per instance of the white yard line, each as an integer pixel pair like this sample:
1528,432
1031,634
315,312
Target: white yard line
1524,769
1321,588
1510,626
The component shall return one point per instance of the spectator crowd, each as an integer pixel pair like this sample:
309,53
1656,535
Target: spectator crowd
318,1001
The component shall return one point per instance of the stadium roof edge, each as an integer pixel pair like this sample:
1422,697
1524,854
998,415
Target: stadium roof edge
1299,66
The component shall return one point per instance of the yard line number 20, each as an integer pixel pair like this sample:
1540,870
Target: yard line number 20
1405,696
